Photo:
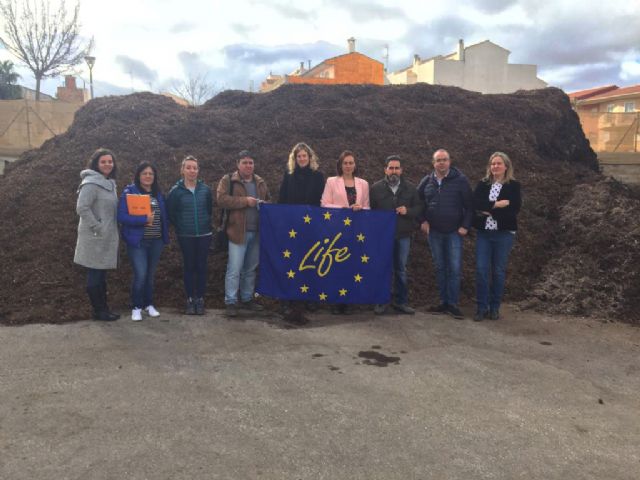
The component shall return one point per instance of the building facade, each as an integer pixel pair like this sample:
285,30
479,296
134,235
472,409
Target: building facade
483,67
70,92
350,68
610,117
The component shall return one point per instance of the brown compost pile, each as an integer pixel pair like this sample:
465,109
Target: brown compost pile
576,250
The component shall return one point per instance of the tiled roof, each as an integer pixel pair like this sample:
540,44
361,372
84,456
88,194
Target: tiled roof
591,92
619,92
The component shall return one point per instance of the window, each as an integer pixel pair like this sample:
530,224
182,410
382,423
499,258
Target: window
629,106
610,108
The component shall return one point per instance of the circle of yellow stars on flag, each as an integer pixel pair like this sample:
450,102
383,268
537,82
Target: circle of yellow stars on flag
287,254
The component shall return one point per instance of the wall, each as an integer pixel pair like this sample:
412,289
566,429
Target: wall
621,166
4,161
618,105
26,124
447,72
485,69
352,68
611,132
523,77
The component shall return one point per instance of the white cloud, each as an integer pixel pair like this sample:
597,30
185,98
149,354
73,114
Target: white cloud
630,70
566,38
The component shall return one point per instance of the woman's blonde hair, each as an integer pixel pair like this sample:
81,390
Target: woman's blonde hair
313,158
508,174
188,158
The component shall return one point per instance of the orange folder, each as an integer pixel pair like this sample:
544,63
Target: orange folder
138,204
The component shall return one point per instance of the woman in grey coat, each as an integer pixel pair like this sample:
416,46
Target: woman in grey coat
97,245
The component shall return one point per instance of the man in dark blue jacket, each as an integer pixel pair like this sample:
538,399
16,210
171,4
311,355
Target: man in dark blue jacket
447,217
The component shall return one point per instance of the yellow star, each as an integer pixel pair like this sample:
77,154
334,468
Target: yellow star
327,216
364,259
287,254
343,292
292,233
360,237
307,219
357,277
304,289
323,296
291,274
347,221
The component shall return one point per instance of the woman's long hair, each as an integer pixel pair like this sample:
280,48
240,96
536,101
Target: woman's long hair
95,160
313,158
155,188
508,174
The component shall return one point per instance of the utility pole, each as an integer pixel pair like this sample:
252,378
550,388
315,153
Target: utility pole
386,57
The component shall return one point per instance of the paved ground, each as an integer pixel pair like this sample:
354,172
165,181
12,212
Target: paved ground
531,397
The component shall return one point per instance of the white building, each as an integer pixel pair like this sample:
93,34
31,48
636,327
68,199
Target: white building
483,67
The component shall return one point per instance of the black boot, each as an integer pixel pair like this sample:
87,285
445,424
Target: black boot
97,302
113,315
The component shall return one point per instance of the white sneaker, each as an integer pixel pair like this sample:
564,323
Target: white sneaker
136,314
151,311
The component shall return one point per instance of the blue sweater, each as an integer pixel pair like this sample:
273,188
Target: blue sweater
132,229
448,206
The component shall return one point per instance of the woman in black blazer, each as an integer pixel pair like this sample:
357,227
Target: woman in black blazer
496,201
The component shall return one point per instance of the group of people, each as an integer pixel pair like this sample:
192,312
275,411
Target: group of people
443,205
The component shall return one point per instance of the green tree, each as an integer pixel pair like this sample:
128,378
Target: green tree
8,77
43,35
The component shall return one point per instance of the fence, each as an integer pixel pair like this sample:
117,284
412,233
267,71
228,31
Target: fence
612,132
25,124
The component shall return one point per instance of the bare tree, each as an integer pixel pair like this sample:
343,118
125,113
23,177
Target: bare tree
46,38
196,89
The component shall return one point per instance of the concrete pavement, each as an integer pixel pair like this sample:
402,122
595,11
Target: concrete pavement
357,397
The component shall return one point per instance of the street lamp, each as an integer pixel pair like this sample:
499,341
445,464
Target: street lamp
91,61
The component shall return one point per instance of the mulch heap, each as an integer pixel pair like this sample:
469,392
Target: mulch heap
577,249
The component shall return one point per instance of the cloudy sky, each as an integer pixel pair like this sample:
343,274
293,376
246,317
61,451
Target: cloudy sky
151,44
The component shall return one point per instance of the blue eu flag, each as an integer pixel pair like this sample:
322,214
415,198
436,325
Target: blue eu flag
331,255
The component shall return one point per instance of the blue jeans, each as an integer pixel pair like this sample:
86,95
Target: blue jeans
446,251
400,256
492,253
144,261
195,251
241,269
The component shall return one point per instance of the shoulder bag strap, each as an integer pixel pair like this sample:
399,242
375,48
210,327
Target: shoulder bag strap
225,213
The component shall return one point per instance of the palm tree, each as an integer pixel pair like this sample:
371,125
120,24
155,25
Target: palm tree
7,73
8,77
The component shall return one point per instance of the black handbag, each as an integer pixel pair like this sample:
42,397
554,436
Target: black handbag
220,238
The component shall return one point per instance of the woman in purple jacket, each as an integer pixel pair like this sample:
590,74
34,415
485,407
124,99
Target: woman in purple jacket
145,236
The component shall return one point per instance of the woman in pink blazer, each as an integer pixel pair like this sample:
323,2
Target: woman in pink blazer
346,190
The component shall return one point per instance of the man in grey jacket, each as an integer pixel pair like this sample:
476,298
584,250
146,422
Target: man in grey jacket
394,192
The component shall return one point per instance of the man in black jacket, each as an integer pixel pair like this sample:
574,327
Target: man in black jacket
448,204
393,192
